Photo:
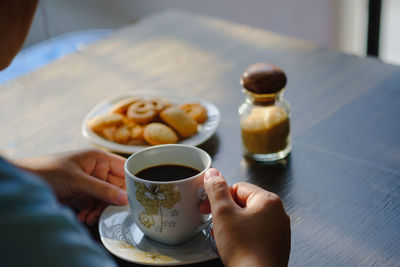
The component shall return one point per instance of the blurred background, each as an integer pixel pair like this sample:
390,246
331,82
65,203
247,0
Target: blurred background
335,24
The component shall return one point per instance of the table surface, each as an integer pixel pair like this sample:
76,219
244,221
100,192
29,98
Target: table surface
340,184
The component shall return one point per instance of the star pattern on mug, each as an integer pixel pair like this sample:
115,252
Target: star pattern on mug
169,224
174,213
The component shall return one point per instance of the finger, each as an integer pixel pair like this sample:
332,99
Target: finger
117,165
94,215
205,207
115,180
246,194
107,163
217,191
100,190
88,204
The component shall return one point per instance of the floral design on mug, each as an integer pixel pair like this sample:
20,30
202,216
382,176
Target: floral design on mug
146,220
153,198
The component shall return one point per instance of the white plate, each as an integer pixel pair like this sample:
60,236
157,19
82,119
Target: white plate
122,237
206,130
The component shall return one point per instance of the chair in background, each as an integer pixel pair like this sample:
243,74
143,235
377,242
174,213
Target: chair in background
44,52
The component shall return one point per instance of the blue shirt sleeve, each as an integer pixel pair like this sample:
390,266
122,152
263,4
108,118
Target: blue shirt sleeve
35,230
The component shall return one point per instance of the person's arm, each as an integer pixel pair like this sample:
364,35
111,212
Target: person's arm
250,225
86,179
36,231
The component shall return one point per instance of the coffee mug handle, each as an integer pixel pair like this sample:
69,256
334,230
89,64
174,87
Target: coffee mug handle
202,196
207,222
207,225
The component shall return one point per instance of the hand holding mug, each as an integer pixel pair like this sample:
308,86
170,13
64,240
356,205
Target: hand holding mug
251,227
86,179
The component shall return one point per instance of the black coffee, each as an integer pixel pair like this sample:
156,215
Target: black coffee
165,173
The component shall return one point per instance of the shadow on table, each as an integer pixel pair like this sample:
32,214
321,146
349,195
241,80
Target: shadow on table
274,177
211,145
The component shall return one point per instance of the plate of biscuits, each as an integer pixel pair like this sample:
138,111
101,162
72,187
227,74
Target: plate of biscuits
127,124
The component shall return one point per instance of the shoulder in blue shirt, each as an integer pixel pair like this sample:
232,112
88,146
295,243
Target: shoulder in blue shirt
35,230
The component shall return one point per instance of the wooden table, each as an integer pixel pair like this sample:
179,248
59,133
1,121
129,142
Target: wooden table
341,183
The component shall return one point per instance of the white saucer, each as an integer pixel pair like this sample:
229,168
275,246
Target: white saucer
122,237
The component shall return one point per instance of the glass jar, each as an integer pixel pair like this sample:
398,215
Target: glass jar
264,115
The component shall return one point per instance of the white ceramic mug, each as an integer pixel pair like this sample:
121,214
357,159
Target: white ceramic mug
168,212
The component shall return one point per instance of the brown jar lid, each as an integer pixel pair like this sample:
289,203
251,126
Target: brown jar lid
263,78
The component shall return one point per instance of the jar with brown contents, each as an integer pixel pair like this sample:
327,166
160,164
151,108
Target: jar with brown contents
264,115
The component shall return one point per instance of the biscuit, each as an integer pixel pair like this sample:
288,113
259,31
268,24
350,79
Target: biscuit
137,132
129,122
141,111
108,132
135,142
97,123
123,105
178,120
159,104
122,134
196,111
157,133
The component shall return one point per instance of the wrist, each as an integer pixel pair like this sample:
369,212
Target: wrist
31,165
25,164
254,259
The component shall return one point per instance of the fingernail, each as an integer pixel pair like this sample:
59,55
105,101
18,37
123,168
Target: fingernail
122,198
211,172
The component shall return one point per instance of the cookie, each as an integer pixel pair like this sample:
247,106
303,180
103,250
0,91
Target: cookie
137,132
97,123
157,133
108,132
178,120
122,106
159,104
141,111
122,134
196,111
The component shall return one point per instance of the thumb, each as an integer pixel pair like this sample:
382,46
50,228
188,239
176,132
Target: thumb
217,191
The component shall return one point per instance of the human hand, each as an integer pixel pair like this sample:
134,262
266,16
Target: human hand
85,179
250,225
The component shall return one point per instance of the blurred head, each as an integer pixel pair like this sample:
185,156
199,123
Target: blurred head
15,19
